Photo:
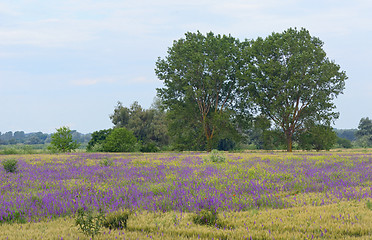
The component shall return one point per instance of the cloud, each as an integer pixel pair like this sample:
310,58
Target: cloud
92,81
142,80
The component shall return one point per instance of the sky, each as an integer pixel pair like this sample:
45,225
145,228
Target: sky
68,62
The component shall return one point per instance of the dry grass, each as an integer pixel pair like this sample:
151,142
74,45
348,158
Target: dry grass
344,220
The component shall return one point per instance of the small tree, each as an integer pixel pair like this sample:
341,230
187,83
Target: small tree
62,140
120,140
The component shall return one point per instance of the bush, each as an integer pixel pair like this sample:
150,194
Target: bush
117,220
15,217
318,137
106,162
149,147
345,143
10,165
216,157
9,151
206,217
98,138
89,223
120,140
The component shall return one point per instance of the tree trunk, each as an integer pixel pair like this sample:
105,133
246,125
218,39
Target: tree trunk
209,144
288,136
208,134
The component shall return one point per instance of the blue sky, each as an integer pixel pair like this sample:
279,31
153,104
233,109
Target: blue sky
69,62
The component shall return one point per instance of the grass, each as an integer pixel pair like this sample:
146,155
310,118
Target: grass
261,195
344,220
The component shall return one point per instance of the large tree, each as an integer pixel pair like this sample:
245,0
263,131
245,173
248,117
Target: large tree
292,81
200,75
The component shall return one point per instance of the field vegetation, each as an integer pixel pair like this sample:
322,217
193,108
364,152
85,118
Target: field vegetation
256,195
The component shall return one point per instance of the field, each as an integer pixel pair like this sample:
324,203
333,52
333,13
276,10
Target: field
259,195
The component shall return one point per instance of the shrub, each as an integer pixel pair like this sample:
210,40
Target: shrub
10,165
149,147
120,140
9,151
369,205
206,217
117,220
15,217
98,138
106,162
216,156
89,223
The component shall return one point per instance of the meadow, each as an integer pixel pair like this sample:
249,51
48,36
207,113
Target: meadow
256,195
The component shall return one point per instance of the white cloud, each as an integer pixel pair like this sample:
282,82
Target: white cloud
142,80
92,81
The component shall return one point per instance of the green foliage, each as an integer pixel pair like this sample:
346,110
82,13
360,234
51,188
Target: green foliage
200,76
318,137
88,222
97,140
149,147
345,143
348,134
147,125
120,140
226,144
15,217
292,81
369,205
185,129
206,217
216,156
10,151
364,133
10,165
117,220
106,162
364,127
62,140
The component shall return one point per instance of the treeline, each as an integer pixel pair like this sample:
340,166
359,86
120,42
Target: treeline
150,130
20,137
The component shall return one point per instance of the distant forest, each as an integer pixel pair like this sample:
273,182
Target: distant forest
20,137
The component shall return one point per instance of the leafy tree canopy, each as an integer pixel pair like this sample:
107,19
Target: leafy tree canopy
62,140
318,137
147,125
120,140
364,133
291,80
200,75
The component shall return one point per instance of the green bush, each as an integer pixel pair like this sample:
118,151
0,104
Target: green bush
149,147
10,151
10,165
206,217
106,162
120,140
90,224
216,156
369,205
15,217
117,220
